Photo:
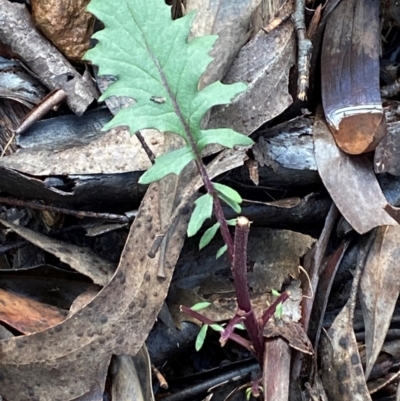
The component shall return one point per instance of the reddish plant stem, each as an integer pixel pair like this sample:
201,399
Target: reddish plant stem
234,337
239,269
272,308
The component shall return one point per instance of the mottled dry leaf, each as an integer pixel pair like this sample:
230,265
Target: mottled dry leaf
26,315
379,290
350,181
342,372
66,24
264,64
80,259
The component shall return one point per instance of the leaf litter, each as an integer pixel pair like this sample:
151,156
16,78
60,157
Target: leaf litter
68,358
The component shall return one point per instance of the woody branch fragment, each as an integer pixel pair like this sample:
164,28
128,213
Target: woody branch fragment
304,50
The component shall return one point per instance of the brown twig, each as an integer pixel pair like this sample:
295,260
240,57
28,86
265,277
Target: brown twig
49,102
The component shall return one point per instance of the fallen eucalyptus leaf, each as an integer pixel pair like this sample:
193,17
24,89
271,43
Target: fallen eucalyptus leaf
350,181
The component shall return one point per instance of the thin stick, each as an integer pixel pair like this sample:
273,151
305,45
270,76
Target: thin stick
77,213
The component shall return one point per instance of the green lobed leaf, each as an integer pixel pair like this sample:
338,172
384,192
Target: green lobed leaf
169,163
208,235
200,306
154,63
202,212
221,251
201,337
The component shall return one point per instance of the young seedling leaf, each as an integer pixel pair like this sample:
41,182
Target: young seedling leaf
201,337
169,163
231,222
217,327
227,192
154,63
208,235
202,212
221,251
235,206
200,306
240,326
275,293
279,311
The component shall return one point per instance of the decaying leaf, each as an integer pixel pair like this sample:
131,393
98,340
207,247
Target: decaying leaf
379,290
350,76
264,64
66,24
350,181
341,369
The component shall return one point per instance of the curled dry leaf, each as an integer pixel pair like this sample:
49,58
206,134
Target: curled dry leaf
350,76
379,290
350,181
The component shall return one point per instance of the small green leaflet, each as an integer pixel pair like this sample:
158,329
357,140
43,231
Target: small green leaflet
217,327
202,212
221,251
208,235
229,196
154,63
201,337
200,306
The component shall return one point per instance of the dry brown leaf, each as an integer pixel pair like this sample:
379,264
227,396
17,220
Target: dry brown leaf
264,64
350,181
81,259
66,24
26,315
379,290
